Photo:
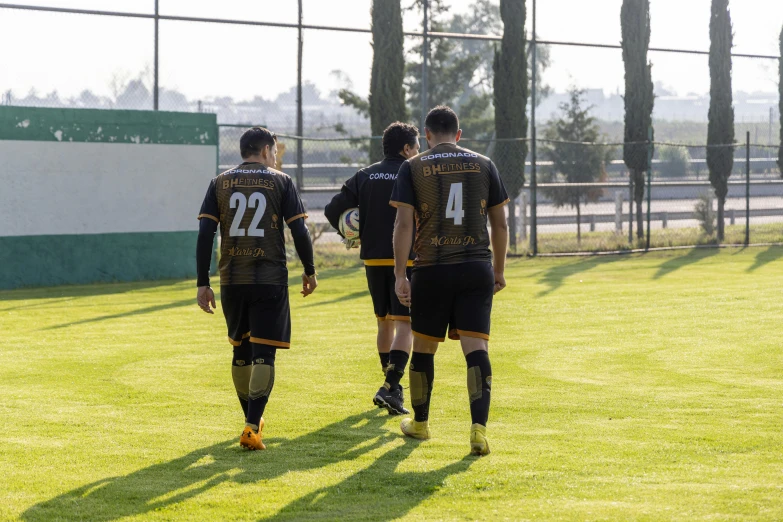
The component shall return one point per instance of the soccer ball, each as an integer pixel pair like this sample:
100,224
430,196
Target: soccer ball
349,224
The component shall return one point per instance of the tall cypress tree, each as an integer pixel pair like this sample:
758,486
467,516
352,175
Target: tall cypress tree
720,130
510,92
387,94
639,98
780,106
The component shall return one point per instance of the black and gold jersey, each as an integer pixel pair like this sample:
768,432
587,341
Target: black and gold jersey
450,189
252,203
369,190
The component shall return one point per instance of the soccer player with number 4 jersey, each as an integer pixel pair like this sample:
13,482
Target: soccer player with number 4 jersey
452,192
252,203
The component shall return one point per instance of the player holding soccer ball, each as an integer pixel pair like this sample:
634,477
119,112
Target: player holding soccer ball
452,191
369,190
250,203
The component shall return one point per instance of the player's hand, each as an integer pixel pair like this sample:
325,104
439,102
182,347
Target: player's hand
204,298
309,284
351,243
402,287
500,282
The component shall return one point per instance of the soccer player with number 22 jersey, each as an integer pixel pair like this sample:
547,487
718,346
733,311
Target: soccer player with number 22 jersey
252,203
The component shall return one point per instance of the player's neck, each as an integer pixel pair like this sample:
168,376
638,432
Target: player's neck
443,140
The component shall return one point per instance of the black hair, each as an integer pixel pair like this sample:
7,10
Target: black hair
254,140
442,120
396,136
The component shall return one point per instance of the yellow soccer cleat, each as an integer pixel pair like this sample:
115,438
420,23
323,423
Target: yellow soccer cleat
416,430
252,440
478,440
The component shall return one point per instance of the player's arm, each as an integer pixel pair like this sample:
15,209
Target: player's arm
499,240
294,215
348,197
404,200
498,197
403,239
208,223
304,249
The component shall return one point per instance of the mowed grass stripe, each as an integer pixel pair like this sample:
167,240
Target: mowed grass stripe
628,387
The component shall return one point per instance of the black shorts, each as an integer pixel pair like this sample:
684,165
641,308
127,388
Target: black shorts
452,298
260,312
380,280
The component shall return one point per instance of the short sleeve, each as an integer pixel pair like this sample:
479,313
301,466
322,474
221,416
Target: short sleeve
293,208
209,208
497,191
402,195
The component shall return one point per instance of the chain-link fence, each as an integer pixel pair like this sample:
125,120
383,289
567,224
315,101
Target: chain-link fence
193,56
585,199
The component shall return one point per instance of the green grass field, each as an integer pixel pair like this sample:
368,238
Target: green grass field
625,387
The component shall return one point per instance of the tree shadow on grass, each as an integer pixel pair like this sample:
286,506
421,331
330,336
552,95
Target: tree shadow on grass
377,492
764,257
75,291
675,263
339,299
163,485
555,276
130,313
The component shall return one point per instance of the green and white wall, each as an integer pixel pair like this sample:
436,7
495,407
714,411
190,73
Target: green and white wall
95,195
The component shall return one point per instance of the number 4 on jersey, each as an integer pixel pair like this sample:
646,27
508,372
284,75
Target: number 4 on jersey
454,204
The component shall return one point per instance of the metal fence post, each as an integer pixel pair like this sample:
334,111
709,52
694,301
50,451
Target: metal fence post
425,54
533,180
299,116
649,180
747,189
630,208
155,81
523,215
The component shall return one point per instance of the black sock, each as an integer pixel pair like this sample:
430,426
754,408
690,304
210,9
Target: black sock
384,360
262,380
422,373
479,385
240,372
396,368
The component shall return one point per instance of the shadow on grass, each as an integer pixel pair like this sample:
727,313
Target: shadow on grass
339,299
377,492
555,276
76,291
764,257
675,263
166,484
130,313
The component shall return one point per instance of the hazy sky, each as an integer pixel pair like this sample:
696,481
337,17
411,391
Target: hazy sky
68,53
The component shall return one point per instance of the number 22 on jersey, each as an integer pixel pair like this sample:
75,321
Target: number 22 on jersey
454,204
240,202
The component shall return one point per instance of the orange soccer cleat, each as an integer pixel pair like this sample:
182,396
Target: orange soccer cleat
252,440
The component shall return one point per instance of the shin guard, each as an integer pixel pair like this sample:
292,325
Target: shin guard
479,385
421,374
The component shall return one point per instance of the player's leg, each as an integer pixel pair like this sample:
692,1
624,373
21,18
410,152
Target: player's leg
232,301
431,305
384,341
241,365
390,394
472,323
379,293
270,329
421,375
